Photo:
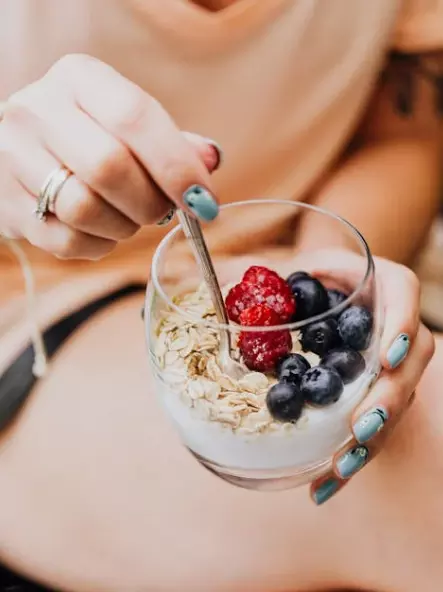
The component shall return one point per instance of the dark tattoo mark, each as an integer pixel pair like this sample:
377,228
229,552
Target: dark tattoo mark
404,71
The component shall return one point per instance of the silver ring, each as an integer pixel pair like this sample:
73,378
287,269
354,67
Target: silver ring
49,192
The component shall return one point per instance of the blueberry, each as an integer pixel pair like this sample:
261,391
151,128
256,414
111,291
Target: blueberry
310,297
292,368
295,276
335,297
321,386
355,327
320,337
285,402
348,363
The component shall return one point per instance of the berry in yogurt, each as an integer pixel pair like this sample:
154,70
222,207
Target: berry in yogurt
292,367
285,402
321,386
348,362
310,296
355,327
320,337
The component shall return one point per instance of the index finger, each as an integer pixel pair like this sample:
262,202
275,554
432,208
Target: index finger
141,123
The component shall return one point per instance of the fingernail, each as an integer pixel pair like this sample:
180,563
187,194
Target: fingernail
325,491
166,219
398,350
352,461
201,202
370,424
219,155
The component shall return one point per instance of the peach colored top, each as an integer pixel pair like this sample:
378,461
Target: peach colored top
280,84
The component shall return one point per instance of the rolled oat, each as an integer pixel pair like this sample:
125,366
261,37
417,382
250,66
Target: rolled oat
186,353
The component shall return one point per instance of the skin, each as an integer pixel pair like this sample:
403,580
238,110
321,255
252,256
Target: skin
94,465
215,4
121,180
392,161
88,468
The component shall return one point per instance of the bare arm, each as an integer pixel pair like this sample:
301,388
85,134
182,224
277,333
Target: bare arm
389,187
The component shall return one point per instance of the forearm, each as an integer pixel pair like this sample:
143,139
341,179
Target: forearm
389,190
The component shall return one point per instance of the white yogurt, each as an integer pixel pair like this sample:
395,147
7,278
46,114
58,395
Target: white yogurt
313,439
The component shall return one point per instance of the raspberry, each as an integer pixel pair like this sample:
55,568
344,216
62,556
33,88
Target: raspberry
237,300
244,295
262,276
259,316
262,350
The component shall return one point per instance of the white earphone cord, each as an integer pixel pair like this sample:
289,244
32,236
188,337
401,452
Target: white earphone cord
40,365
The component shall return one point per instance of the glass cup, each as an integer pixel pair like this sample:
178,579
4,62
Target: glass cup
280,424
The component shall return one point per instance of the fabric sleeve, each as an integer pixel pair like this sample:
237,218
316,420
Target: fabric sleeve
419,27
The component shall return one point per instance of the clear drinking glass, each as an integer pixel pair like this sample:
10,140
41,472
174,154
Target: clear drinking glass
234,427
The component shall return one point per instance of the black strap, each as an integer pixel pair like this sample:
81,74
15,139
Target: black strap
18,380
11,582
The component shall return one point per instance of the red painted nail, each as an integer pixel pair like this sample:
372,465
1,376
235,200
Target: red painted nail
216,155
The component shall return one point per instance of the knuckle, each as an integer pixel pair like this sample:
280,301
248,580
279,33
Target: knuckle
16,143
61,241
428,344
394,386
16,115
411,279
133,109
68,63
411,399
75,206
111,167
37,239
17,99
69,247
399,388
175,168
29,107
178,174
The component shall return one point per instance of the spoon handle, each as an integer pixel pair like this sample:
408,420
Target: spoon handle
193,232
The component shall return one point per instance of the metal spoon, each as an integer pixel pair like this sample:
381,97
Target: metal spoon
192,229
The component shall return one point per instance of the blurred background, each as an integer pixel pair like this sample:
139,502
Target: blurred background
429,268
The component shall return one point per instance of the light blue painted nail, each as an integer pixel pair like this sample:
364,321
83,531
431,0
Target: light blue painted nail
352,461
325,491
370,424
201,202
398,350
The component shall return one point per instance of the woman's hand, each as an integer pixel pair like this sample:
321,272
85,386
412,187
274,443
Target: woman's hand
127,163
406,349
